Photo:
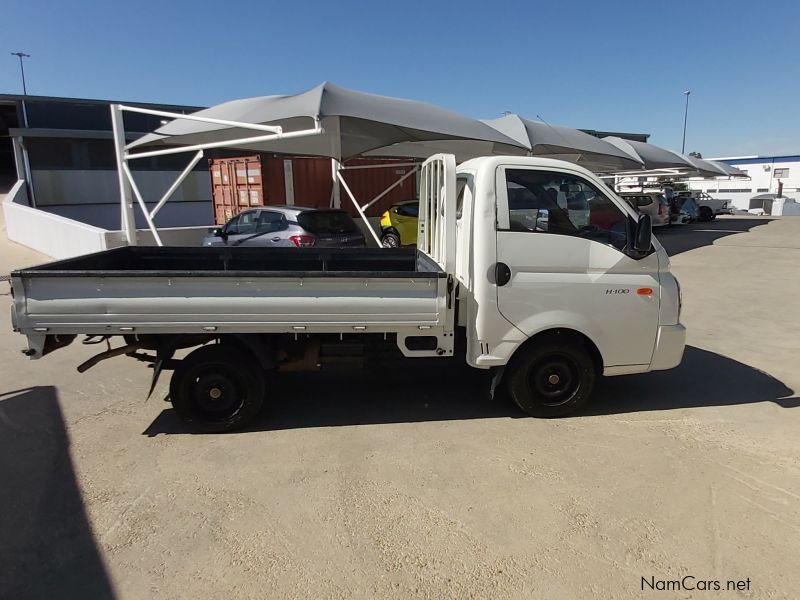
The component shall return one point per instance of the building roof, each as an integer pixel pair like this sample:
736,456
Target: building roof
755,159
12,98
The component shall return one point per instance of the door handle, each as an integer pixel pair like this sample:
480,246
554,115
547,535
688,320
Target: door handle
502,274
277,239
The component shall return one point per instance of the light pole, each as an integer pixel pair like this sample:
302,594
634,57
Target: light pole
685,115
23,150
22,55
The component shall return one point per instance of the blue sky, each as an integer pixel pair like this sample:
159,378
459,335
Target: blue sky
604,65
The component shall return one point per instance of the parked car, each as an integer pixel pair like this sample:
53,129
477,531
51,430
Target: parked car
289,226
399,224
654,204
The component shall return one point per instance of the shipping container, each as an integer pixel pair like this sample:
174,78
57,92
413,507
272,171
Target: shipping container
236,185
263,179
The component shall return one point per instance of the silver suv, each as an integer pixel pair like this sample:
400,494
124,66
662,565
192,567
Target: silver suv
289,227
654,204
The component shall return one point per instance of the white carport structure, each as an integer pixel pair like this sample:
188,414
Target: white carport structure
656,160
565,143
662,163
327,121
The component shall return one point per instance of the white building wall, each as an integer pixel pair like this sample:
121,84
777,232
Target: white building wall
61,237
764,173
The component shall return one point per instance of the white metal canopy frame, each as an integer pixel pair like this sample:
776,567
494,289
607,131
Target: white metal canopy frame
129,191
127,184
346,124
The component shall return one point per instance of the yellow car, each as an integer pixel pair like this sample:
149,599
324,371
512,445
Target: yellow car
399,224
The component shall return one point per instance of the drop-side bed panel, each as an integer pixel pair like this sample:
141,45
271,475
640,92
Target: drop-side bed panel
109,295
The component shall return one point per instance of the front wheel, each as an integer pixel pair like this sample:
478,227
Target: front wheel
551,378
706,214
217,388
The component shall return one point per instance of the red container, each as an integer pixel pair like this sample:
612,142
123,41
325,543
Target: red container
244,182
236,185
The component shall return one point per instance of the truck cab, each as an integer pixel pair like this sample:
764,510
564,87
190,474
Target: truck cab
546,256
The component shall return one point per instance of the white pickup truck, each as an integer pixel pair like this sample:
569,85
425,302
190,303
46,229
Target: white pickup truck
708,206
547,300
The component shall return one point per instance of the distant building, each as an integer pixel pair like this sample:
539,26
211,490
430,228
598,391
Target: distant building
765,173
63,148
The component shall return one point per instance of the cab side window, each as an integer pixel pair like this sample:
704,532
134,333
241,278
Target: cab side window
462,181
562,204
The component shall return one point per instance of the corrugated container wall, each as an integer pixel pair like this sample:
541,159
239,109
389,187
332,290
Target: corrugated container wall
258,180
236,185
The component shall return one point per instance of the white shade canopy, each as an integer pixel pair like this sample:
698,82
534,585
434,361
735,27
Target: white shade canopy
543,139
353,123
728,169
651,156
705,168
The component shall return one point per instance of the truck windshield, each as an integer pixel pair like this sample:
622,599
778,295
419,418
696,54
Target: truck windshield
322,222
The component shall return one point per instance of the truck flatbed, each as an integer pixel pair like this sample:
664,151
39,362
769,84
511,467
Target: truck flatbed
231,290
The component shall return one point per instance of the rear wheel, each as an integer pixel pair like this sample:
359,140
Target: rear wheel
390,240
217,388
552,378
706,214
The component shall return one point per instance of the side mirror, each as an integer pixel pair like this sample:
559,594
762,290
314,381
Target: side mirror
219,232
644,234
640,236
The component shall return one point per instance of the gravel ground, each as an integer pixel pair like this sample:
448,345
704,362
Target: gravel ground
410,483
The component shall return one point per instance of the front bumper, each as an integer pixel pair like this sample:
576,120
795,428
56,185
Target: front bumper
670,343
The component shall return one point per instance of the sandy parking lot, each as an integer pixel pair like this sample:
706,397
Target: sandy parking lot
410,484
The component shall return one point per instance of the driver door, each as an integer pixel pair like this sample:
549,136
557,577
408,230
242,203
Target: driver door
562,239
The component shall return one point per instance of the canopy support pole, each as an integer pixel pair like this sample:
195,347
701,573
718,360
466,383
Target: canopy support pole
126,216
336,194
168,194
391,187
142,205
358,208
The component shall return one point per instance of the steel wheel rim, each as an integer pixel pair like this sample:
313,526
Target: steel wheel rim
217,394
555,378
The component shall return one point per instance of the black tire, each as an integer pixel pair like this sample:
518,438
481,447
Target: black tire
706,214
217,388
390,240
553,377
713,216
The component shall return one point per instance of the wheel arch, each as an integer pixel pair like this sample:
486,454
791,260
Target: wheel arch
562,333
258,345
